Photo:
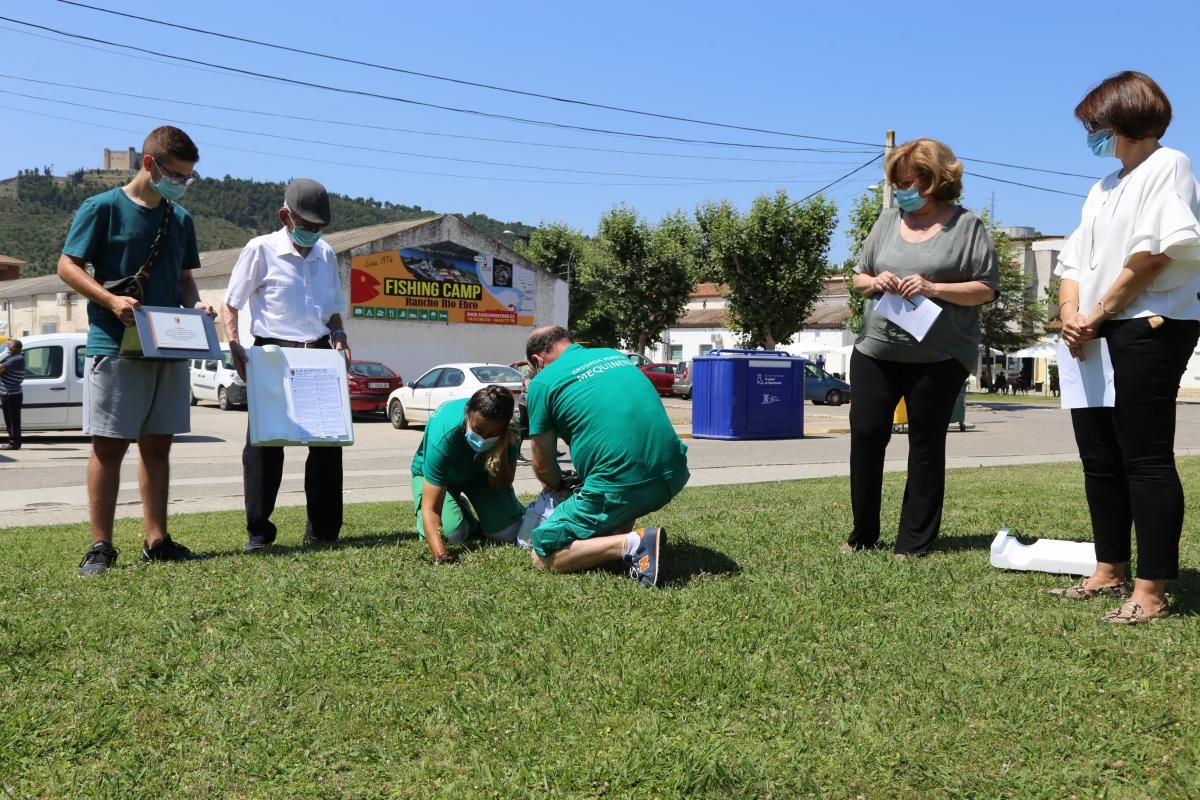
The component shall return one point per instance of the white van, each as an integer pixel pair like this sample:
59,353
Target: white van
53,387
218,381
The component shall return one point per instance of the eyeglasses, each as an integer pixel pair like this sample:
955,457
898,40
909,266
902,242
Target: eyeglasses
175,177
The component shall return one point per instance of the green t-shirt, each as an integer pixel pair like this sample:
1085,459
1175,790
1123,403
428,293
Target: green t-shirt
961,251
444,458
114,234
610,415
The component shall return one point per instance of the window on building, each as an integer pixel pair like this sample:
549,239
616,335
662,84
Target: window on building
705,349
49,327
676,352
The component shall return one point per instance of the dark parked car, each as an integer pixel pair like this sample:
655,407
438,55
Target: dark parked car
661,375
370,384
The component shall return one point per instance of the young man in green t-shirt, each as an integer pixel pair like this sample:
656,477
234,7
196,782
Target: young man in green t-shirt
622,445
128,399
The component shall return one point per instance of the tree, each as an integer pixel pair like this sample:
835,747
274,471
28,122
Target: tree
866,211
642,276
773,260
1017,316
569,254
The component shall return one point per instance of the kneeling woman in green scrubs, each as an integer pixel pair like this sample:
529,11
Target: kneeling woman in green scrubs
463,473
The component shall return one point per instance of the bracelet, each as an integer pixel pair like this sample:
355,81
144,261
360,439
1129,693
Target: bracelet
333,334
1105,308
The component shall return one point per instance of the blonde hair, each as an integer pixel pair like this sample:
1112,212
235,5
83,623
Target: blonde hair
936,169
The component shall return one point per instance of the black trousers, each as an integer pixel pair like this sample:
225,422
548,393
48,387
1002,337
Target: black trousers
12,417
1128,451
929,391
262,472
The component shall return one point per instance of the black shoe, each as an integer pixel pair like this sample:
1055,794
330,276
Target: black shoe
9,447
97,559
258,544
168,550
317,541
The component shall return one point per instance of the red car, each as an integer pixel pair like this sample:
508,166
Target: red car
661,375
370,384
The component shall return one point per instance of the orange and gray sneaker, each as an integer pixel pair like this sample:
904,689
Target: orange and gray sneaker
643,564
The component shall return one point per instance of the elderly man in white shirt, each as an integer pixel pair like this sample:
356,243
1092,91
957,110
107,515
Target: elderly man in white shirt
290,280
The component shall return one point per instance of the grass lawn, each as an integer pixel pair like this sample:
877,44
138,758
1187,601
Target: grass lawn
1020,399
769,666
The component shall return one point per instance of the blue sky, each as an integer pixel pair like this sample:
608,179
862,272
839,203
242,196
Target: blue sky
995,82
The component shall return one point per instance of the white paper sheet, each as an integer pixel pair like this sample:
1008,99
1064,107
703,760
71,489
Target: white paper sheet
177,331
1088,383
317,402
916,316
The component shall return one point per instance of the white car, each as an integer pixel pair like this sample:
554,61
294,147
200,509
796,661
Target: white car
53,387
213,380
416,402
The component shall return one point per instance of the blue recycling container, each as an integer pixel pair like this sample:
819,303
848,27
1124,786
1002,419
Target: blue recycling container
748,394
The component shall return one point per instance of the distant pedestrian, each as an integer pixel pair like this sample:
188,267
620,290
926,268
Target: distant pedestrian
1130,275
1001,382
933,248
12,374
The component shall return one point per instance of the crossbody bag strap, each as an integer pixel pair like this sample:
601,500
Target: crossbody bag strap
161,237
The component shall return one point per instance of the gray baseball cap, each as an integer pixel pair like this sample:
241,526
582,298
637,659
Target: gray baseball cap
308,200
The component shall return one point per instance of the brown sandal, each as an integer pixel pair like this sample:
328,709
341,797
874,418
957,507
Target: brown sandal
1131,613
1080,591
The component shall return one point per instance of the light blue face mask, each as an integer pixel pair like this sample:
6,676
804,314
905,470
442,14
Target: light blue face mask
1102,143
304,238
170,189
909,199
478,443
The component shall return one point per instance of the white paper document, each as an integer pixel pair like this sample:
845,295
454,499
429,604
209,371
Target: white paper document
317,402
174,331
1087,383
916,316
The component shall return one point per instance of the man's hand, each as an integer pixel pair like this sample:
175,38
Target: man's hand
123,308
342,344
444,557
206,308
885,282
239,358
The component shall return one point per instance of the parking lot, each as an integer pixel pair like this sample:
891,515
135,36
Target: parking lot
45,481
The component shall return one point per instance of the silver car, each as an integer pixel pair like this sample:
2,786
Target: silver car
683,380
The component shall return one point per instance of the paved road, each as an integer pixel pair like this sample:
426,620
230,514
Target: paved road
44,483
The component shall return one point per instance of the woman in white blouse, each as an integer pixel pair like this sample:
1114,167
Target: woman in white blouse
1130,275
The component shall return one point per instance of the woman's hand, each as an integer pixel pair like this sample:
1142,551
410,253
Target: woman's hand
1075,331
885,282
914,285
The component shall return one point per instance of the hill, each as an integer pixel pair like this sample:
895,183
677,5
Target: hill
36,210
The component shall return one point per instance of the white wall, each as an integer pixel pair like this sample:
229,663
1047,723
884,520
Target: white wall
809,340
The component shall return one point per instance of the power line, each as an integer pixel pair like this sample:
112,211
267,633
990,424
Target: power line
391,129
854,171
410,101
525,92
606,173
375,167
1025,185
460,81
523,120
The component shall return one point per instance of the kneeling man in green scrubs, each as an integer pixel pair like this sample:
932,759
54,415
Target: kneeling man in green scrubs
622,445
467,455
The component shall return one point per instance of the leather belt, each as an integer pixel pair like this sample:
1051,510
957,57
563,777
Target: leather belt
318,344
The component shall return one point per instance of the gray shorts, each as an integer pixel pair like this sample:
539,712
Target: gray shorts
127,398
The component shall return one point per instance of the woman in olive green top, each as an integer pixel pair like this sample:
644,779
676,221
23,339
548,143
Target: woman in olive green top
934,248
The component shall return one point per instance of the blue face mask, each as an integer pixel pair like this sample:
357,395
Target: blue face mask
1102,143
909,199
304,238
170,188
478,443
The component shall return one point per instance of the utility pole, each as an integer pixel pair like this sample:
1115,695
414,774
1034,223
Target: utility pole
889,144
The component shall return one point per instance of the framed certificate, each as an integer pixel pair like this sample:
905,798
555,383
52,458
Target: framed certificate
170,334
